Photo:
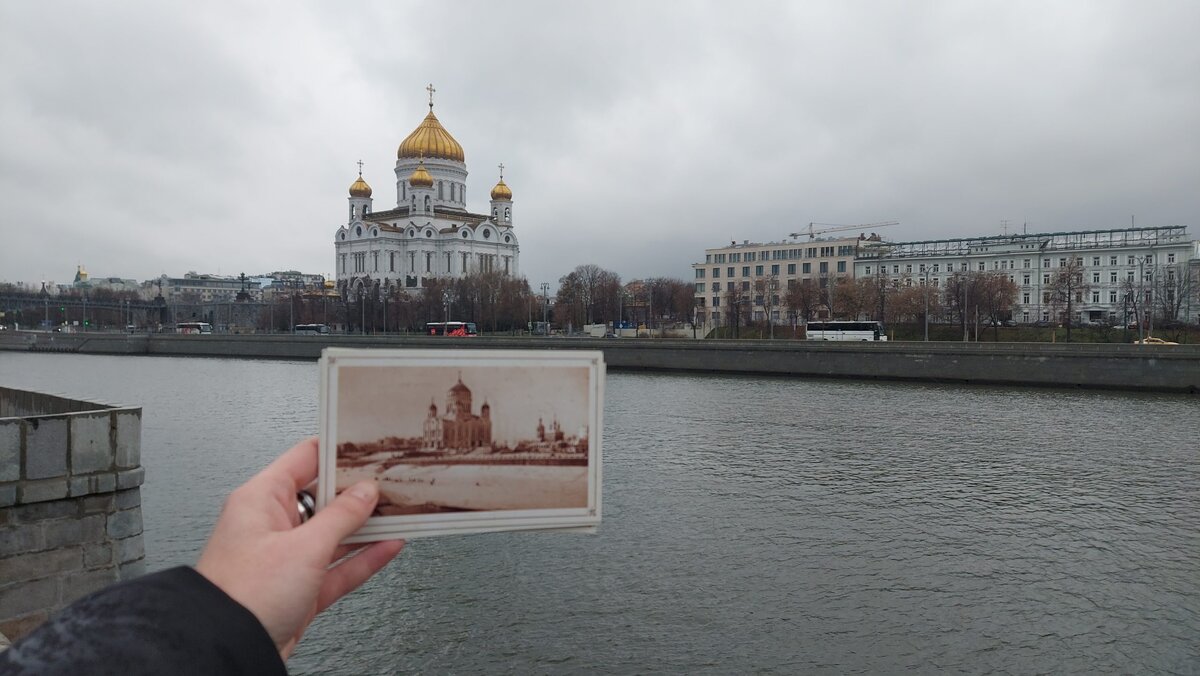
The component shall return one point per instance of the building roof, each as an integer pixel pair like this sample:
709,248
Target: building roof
430,139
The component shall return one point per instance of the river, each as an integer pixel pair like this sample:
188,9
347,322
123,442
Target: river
751,524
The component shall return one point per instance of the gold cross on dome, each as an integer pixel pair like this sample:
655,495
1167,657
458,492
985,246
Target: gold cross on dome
431,90
501,165
360,167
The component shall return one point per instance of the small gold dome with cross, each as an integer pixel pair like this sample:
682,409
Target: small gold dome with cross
502,191
359,188
420,178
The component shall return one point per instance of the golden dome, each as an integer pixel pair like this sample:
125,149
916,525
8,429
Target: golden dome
359,188
430,139
502,191
420,178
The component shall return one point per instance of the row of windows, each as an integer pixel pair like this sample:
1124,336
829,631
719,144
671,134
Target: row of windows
1026,264
486,232
458,191
781,254
484,262
760,270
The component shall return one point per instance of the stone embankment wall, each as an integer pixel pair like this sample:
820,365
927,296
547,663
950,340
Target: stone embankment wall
1159,368
70,503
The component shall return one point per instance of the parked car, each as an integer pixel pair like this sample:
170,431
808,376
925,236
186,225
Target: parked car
1153,341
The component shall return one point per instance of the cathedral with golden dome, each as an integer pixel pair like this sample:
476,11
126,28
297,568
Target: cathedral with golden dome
430,233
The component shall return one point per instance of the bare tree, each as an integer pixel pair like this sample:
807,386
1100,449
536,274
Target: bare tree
961,298
1173,290
997,294
1067,287
588,294
803,299
735,307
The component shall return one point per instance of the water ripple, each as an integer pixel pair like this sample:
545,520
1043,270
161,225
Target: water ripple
752,525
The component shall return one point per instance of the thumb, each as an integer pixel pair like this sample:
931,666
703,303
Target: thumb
346,514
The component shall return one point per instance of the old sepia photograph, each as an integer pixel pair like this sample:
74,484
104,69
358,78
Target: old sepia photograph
464,440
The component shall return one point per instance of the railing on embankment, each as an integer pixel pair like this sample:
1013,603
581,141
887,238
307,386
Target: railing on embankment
1163,368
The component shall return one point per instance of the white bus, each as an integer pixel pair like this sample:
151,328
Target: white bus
193,327
844,331
311,329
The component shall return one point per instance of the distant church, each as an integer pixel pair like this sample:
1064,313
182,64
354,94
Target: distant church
429,233
459,429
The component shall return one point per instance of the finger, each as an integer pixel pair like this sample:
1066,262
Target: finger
344,550
340,518
298,465
349,574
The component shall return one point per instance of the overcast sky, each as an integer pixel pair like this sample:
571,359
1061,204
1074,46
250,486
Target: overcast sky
149,138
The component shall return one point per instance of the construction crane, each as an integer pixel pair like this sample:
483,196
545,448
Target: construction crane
812,232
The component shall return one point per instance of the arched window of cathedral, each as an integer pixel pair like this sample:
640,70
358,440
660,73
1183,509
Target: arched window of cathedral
487,234
375,232
366,209
342,236
453,190
495,212
403,190
358,230
507,239
429,233
507,214
414,202
352,212
427,203
441,194
464,233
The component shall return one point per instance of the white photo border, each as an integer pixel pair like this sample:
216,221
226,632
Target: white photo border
424,525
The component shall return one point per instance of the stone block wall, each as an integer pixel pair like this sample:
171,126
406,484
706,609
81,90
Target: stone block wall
70,503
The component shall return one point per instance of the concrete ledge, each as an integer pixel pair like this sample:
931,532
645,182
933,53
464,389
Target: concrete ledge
1088,365
71,521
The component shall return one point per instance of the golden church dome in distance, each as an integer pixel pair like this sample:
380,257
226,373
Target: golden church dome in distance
502,191
359,188
420,178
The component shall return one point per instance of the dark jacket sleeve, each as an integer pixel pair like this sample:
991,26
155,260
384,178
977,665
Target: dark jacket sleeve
173,622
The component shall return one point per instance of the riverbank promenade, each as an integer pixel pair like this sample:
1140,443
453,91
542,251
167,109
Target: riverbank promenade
1156,368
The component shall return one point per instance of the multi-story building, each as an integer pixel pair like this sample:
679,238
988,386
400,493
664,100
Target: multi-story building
755,277
197,288
1115,264
430,233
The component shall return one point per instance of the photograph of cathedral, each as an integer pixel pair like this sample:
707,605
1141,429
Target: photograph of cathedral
430,232
470,441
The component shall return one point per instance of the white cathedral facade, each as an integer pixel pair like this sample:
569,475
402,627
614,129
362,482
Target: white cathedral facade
429,233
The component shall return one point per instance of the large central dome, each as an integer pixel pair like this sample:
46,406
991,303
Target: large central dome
430,139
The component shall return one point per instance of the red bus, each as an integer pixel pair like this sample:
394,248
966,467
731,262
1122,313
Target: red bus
451,329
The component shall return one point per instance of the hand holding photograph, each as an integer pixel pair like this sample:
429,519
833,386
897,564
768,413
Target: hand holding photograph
464,441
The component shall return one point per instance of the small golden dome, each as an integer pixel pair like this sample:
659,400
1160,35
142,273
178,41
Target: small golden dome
420,178
430,139
502,191
359,188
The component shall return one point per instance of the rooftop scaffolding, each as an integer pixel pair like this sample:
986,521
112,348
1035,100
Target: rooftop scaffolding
1042,241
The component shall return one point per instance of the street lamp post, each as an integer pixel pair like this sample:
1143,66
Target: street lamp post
545,307
926,294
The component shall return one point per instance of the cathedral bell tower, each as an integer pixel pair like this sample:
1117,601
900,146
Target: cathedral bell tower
360,198
502,202
420,191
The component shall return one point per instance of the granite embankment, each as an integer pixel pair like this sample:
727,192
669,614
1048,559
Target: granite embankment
70,502
1162,368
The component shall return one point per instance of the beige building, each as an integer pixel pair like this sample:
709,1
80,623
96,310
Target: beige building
759,275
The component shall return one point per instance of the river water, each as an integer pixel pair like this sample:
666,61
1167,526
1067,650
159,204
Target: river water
751,524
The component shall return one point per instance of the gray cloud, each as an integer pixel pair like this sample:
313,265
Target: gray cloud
142,138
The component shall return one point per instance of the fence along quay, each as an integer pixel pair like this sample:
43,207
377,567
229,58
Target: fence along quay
1155,368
